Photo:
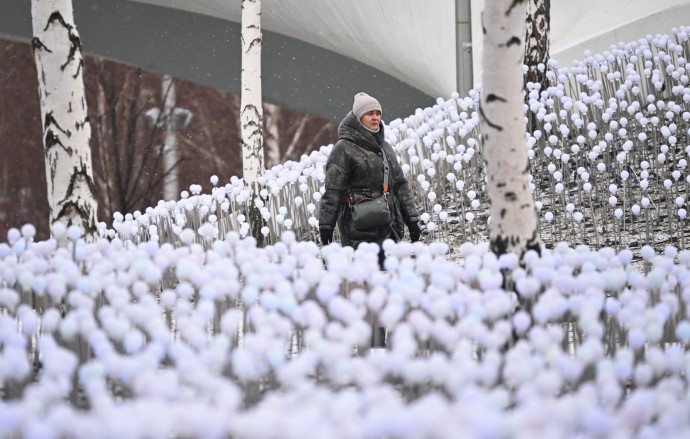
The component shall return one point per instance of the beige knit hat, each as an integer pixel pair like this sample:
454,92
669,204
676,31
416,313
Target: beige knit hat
364,104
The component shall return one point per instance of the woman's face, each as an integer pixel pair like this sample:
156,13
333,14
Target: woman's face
372,120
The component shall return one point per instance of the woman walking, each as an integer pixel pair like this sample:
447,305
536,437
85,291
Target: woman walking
361,167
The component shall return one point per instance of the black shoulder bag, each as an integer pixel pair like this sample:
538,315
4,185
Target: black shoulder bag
370,213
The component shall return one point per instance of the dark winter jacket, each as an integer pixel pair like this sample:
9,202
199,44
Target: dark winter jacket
355,170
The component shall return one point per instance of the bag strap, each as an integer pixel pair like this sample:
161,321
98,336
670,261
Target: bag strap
385,172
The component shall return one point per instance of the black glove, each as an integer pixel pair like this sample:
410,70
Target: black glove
415,233
326,236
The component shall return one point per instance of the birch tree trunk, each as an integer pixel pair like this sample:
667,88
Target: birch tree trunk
171,190
513,225
251,111
537,40
66,128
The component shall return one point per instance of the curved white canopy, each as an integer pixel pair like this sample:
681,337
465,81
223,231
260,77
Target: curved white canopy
411,40
414,40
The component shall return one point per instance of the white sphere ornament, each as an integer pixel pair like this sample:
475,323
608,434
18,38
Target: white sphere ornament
521,322
58,230
74,232
28,231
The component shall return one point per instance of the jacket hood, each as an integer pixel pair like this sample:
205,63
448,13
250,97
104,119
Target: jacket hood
352,130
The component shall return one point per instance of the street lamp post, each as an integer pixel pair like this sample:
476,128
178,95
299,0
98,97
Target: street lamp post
463,46
171,120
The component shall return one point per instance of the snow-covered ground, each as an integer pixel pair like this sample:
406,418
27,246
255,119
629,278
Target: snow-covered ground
175,324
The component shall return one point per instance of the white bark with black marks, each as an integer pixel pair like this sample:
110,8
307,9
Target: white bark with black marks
66,128
251,111
537,40
513,225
